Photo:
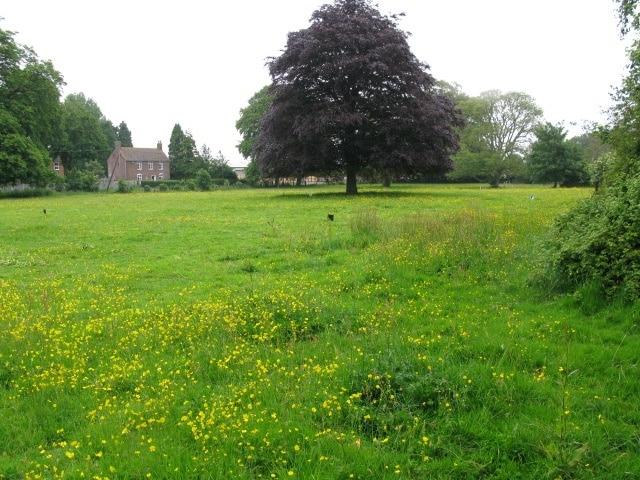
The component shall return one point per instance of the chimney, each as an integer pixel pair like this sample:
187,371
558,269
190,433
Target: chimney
159,145
118,144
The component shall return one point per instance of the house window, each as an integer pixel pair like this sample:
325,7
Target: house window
139,165
139,177
161,176
150,165
160,166
56,166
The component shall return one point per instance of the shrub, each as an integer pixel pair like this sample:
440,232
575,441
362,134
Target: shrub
26,193
203,180
82,181
597,241
123,187
172,184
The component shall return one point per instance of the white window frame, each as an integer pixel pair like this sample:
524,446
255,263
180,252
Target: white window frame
56,166
149,165
139,166
160,165
139,177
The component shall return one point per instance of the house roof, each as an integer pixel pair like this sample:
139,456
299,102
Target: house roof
133,154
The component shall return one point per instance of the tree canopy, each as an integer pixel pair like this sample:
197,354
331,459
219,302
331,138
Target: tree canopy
188,163
349,97
249,122
87,136
183,154
498,131
123,134
29,113
555,159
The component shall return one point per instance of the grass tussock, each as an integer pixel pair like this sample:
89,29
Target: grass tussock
204,338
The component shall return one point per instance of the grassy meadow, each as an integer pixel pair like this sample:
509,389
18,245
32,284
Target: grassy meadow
240,334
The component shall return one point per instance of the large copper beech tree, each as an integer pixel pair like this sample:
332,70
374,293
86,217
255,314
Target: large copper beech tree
349,97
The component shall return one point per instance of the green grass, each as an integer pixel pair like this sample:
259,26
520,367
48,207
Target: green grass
241,334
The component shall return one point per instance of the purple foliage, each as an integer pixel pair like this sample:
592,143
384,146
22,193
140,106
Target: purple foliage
349,97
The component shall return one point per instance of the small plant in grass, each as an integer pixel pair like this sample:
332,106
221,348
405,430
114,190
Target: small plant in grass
566,455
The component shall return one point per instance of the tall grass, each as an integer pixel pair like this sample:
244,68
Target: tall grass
243,335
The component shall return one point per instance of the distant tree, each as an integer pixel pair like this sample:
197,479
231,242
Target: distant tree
452,91
183,154
123,134
591,144
96,168
555,159
596,154
249,122
29,113
109,131
84,138
205,154
350,97
203,179
252,173
219,167
599,169
81,181
22,160
499,128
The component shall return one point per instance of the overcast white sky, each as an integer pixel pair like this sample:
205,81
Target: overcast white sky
197,63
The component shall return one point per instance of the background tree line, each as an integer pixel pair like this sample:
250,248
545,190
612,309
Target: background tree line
503,138
349,100
340,118
36,127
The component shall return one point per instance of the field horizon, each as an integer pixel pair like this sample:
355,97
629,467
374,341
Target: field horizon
243,333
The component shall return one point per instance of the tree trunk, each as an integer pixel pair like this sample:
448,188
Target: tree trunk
386,181
352,180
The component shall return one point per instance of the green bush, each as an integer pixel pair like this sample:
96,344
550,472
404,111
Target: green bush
82,181
173,184
26,193
597,241
123,187
203,180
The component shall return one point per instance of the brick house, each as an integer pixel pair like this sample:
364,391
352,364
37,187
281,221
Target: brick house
57,167
137,164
